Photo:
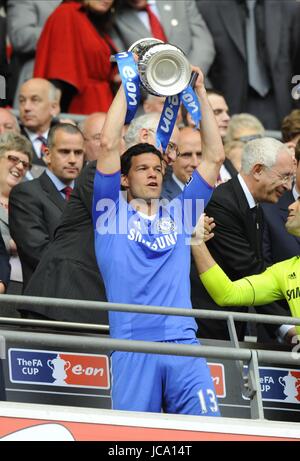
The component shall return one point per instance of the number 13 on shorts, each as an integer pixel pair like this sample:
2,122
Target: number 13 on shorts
208,402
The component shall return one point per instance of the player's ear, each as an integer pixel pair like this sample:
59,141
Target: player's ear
124,181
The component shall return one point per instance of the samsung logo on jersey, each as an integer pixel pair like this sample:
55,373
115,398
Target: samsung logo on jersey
293,294
160,243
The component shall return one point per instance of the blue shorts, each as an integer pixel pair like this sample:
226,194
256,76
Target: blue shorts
168,383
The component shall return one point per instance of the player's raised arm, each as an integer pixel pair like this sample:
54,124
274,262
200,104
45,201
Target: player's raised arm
108,161
212,147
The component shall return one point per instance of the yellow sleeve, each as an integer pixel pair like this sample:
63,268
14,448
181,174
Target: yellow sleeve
254,290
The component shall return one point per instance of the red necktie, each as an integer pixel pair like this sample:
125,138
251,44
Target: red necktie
67,191
156,27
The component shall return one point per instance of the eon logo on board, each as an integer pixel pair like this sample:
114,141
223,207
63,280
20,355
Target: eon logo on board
58,368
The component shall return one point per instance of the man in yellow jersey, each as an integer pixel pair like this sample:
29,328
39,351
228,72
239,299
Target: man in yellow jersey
279,281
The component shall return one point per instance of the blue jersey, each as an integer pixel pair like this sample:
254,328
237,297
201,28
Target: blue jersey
145,261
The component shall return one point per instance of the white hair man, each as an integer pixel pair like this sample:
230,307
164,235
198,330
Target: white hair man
266,173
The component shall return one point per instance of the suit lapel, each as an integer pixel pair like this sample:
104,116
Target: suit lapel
36,159
274,15
131,21
171,189
232,21
250,228
229,167
51,191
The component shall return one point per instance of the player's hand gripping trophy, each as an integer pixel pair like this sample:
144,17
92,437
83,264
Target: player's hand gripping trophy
163,70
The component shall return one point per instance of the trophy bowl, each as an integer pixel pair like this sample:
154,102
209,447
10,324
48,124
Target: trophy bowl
163,68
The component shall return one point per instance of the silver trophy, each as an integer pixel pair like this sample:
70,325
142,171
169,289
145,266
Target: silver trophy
163,68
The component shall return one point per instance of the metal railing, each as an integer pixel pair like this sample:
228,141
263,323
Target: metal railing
249,384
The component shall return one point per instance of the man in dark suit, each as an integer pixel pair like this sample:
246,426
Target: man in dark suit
187,161
181,23
267,171
68,266
38,105
36,206
279,244
243,36
25,22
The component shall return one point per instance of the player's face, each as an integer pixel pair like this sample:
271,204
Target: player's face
293,221
144,179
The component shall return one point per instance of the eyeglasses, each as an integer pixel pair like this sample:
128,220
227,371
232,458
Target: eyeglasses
172,149
188,155
284,178
248,138
16,160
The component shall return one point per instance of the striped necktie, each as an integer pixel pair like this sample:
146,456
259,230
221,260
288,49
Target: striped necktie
43,145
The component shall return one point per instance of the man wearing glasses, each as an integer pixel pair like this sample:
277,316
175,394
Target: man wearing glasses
278,282
266,174
188,159
278,245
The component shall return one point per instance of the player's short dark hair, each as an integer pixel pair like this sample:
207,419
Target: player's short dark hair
214,91
137,149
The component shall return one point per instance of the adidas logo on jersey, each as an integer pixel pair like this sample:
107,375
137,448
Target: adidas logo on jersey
292,276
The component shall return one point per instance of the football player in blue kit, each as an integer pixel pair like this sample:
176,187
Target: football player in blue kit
143,253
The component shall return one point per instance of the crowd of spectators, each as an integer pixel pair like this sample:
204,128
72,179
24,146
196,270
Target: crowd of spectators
55,59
